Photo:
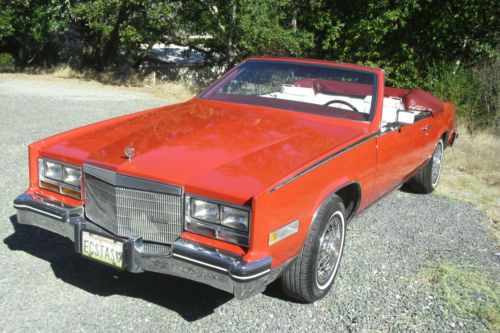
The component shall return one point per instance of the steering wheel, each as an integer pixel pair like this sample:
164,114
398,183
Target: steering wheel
333,101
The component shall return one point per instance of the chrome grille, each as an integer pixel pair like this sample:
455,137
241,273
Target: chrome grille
158,249
156,217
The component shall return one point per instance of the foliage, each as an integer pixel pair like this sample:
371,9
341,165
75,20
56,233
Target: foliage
408,38
6,61
33,31
266,30
240,28
112,28
405,37
474,91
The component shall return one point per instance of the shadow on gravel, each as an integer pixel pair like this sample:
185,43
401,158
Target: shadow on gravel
191,300
274,290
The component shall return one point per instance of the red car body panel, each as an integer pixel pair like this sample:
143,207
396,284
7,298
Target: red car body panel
282,163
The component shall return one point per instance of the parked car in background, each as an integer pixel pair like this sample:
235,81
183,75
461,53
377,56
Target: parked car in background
251,181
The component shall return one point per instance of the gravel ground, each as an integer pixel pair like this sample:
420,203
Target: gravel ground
45,286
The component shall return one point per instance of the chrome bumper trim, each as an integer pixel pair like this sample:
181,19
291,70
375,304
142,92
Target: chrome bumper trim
250,277
199,262
57,217
187,259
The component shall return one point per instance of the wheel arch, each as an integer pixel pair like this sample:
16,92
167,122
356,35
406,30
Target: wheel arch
350,192
351,196
445,136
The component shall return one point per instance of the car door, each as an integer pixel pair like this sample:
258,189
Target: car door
426,122
400,152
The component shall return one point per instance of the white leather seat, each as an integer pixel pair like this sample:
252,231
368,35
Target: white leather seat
390,109
297,91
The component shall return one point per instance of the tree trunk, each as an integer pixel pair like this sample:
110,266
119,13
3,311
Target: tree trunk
294,16
230,49
111,47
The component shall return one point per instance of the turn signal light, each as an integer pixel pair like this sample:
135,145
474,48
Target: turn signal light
283,232
71,193
49,186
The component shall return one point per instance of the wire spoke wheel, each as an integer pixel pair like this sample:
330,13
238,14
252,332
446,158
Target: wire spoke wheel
330,248
310,276
437,162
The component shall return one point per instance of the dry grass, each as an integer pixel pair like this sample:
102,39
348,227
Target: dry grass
176,91
173,91
472,174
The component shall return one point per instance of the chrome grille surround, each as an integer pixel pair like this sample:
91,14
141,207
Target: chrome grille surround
133,207
157,249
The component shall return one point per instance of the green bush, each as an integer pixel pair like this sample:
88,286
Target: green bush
474,91
6,61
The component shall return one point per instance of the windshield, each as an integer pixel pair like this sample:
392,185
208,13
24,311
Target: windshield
319,89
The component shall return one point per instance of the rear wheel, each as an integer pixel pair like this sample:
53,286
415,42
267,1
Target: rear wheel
427,178
311,276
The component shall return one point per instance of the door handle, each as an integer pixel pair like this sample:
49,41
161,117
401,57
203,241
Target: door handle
426,128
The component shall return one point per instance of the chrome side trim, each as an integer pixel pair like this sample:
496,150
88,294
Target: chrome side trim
121,180
324,160
423,115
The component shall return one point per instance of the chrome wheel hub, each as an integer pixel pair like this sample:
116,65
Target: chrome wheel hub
437,161
330,249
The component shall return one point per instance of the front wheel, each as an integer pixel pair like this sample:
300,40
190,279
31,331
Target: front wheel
311,276
427,178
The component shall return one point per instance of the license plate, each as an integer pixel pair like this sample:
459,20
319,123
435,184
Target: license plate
103,249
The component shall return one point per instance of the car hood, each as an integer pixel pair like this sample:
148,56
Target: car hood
223,150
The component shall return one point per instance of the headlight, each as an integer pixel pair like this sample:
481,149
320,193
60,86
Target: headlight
235,218
205,211
52,170
218,220
72,176
59,177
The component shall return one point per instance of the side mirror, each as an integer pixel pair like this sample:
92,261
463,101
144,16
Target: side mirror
405,117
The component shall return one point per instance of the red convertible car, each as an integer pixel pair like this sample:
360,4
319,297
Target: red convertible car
252,180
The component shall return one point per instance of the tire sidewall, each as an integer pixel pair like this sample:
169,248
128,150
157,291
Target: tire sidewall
434,185
332,206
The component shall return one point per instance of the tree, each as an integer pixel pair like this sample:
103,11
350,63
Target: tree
113,28
33,31
239,28
406,37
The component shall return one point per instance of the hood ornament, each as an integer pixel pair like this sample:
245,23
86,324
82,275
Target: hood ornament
129,152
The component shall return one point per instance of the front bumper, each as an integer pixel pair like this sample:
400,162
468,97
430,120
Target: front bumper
182,258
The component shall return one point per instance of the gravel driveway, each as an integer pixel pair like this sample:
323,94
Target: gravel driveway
45,286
